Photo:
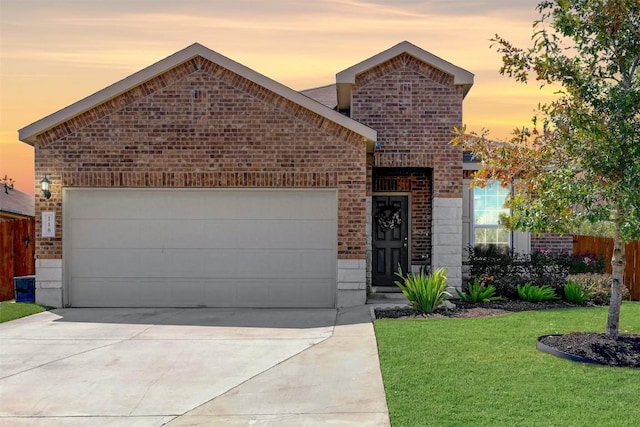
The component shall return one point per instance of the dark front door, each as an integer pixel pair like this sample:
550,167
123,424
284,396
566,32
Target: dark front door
390,243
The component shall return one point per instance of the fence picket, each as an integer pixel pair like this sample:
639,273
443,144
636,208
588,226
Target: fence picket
604,246
17,248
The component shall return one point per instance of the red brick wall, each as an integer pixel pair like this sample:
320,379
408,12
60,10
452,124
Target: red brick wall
421,214
200,125
552,242
414,108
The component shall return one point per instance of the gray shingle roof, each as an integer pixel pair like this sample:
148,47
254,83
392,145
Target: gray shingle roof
325,95
16,203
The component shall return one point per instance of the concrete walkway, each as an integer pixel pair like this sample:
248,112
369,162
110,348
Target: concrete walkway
191,367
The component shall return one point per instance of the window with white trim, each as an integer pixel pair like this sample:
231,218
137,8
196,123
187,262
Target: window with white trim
488,204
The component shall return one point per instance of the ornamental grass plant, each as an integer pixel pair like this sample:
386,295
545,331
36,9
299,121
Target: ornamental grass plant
532,293
477,292
576,293
425,292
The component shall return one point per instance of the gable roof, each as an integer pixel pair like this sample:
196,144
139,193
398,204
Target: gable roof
16,204
29,133
346,78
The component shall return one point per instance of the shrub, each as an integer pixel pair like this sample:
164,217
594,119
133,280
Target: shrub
478,292
532,293
509,268
600,286
587,262
424,292
576,293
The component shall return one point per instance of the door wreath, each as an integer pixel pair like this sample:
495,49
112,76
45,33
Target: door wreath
388,218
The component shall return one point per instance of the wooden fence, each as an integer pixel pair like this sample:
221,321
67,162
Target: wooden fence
603,246
17,249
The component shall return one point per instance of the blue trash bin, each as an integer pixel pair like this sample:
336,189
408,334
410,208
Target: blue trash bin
25,288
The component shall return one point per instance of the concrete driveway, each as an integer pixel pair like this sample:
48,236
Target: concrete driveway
191,367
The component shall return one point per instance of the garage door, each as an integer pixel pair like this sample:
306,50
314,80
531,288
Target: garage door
192,248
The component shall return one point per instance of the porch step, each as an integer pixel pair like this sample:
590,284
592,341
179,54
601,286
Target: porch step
385,290
397,298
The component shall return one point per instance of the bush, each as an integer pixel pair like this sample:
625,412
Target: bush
600,285
587,262
509,268
478,292
532,293
424,292
576,293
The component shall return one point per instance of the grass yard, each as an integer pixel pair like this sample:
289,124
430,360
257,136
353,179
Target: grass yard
487,372
10,310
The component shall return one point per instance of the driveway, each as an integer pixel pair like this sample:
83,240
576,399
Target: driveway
191,367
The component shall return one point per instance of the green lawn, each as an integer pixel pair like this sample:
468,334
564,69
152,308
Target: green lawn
10,310
487,372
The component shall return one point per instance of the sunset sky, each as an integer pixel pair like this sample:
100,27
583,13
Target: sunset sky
56,52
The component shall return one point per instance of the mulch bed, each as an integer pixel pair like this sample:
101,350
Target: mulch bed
625,351
590,345
463,309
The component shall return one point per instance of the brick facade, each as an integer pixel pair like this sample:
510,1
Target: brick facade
552,242
201,125
414,108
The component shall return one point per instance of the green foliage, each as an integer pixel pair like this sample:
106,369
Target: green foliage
477,292
507,268
587,262
575,293
599,286
599,229
532,293
424,292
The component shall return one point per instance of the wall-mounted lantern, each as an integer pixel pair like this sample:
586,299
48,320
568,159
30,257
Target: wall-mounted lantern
45,185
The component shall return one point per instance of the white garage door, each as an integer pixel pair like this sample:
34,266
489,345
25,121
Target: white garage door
192,248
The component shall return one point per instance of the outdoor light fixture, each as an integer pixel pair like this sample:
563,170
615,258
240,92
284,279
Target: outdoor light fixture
44,185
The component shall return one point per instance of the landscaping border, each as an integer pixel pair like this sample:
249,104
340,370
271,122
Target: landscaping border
562,354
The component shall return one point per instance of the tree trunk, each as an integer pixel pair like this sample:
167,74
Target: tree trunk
618,263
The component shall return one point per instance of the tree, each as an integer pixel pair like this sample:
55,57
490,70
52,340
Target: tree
580,160
7,183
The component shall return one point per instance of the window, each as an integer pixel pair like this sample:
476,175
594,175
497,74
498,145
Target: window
488,204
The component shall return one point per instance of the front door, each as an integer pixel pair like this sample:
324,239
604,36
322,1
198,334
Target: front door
390,226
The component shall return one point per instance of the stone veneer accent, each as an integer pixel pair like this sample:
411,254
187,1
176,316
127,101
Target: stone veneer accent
49,282
352,282
447,238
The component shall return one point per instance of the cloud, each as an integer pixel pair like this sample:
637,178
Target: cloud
56,52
